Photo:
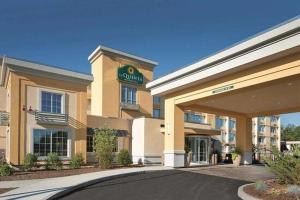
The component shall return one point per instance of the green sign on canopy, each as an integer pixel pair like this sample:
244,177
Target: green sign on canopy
130,74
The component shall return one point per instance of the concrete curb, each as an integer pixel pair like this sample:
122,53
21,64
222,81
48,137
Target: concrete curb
243,195
91,182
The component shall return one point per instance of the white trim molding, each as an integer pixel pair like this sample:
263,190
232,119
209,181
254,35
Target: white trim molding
101,48
29,67
69,141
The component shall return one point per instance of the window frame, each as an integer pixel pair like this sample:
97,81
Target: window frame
69,141
134,101
218,119
262,138
62,111
159,111
156,100
191,117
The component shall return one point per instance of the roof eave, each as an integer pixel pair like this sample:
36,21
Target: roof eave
26,66
107,49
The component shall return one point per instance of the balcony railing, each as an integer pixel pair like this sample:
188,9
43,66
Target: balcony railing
128,106
51,118
4,118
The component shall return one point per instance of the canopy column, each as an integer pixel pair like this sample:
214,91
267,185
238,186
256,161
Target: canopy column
244,138
174,134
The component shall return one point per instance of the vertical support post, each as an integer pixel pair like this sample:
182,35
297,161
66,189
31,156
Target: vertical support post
244,138
174,134
81,129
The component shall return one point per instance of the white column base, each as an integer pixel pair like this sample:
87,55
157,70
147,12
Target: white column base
174,158
247,158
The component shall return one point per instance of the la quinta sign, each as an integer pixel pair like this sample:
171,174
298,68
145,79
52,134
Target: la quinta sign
130,74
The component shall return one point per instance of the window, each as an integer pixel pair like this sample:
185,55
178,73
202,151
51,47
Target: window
50,141
193,117
156,113
261,119
231,137
261,140
90,142
51,102
128,94
273,130
116,149
220,122
232,124
261,128
274,119
156,99
273,140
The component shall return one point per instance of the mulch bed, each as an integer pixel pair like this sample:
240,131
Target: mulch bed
41,174
274,191
3,190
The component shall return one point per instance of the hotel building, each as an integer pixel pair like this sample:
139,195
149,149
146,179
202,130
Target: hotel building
47,109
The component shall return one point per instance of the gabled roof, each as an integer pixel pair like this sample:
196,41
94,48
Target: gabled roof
270,42
101,48
29,67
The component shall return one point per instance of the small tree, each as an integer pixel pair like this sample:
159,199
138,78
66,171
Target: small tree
53,161
124,158
105,143
29,161
76,161
285,166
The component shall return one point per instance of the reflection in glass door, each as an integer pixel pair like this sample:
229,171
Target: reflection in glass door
199,148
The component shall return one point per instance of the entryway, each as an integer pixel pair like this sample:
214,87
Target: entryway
199,147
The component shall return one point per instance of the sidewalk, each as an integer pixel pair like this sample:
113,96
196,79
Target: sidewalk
44,188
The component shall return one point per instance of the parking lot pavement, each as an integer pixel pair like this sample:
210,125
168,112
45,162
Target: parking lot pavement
164,185
250,173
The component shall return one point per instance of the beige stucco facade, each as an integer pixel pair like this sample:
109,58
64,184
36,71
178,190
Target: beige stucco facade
106,89
23,91
3,129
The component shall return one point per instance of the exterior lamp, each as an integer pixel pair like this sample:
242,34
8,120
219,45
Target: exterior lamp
30,109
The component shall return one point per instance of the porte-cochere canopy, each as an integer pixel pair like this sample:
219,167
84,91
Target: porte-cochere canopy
259,76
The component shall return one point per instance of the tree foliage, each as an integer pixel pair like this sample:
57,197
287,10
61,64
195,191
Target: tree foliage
124,158
105,144
290,133
286,166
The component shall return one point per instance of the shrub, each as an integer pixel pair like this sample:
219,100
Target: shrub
286,166
29,161
5,170
105,144
2,159
124,158
235,153
53,161
260,186
76,161
293,189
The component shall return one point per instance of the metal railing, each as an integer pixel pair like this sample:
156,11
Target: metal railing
51,118
4,118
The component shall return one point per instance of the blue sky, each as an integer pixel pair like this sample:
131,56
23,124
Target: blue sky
174,33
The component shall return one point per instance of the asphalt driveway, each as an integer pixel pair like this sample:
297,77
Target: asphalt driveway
164,185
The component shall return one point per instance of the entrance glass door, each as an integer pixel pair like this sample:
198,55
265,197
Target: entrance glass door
199,148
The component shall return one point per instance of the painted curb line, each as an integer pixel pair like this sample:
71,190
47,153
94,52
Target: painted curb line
243,195
91,182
